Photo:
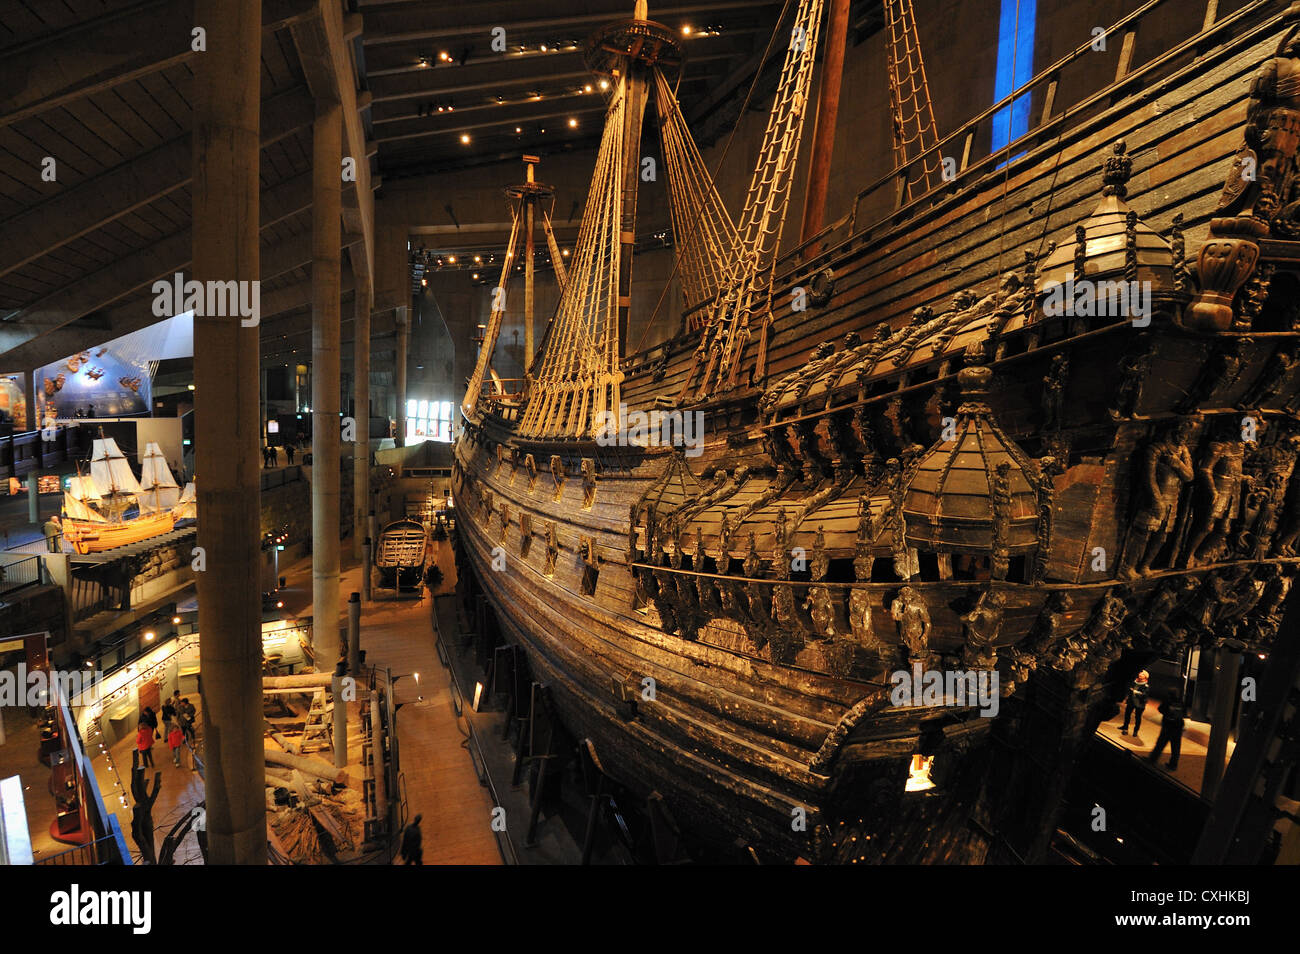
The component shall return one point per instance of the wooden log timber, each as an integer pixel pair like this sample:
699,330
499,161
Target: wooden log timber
316,768
305,680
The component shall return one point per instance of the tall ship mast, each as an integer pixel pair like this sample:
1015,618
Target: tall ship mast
1026,451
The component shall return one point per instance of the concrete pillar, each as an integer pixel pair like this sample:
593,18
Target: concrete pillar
226,98
340,722
29,399
34,498
361,412
354,635
365,568
326,239
1226,687
403,330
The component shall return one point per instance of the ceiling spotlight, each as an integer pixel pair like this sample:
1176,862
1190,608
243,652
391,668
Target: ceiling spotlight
464,138
475,276
424,283
565,253
587,88
148,637
573,123
604,84
518,130
478,258
451,259
176,620
686,30
424,62
543,47
190,386
444,57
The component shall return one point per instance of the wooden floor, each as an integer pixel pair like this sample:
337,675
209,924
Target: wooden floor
440,783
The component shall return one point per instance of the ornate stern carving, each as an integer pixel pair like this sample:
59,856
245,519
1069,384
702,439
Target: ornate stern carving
1258,199
505,521
525,533
588,482
753,562
557,473
982,626
530,466
1165,466
1043,635
913,618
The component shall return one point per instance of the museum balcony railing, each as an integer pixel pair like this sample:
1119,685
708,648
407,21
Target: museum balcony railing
18,571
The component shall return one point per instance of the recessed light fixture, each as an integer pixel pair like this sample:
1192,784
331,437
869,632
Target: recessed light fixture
573,123
464,138
604,84
686,30
518,130
587,88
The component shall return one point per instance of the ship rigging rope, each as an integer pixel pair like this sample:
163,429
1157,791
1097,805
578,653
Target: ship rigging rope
913,112
493,328
726,149
578,376
749,278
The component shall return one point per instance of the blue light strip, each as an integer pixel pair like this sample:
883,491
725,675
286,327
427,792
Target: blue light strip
1015,69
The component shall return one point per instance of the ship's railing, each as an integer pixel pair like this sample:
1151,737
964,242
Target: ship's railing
958,150
20,572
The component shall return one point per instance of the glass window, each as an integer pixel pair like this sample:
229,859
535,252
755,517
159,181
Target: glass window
410,408
424,409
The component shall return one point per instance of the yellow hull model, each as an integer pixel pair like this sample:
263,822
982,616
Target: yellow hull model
87,537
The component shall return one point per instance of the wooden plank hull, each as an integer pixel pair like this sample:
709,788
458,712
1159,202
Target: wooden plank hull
624,567
87,537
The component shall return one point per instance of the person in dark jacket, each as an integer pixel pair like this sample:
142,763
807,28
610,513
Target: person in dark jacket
1135,702
412,843
1171,728
168,714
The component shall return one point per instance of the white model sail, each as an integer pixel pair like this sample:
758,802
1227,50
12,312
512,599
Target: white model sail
159,490
83,489
113,477
75,508
189,503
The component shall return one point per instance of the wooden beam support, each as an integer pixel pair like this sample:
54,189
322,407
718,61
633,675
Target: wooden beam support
105,52
123,189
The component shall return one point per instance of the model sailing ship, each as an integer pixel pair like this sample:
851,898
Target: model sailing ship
97,507
1054,472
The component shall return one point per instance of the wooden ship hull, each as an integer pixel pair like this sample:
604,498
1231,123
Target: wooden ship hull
402,554
91,537
771,720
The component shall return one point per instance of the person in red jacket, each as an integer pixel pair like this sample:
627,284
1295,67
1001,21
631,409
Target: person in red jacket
144,742
176,738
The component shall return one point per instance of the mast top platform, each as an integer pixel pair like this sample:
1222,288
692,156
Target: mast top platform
613,49
530,189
